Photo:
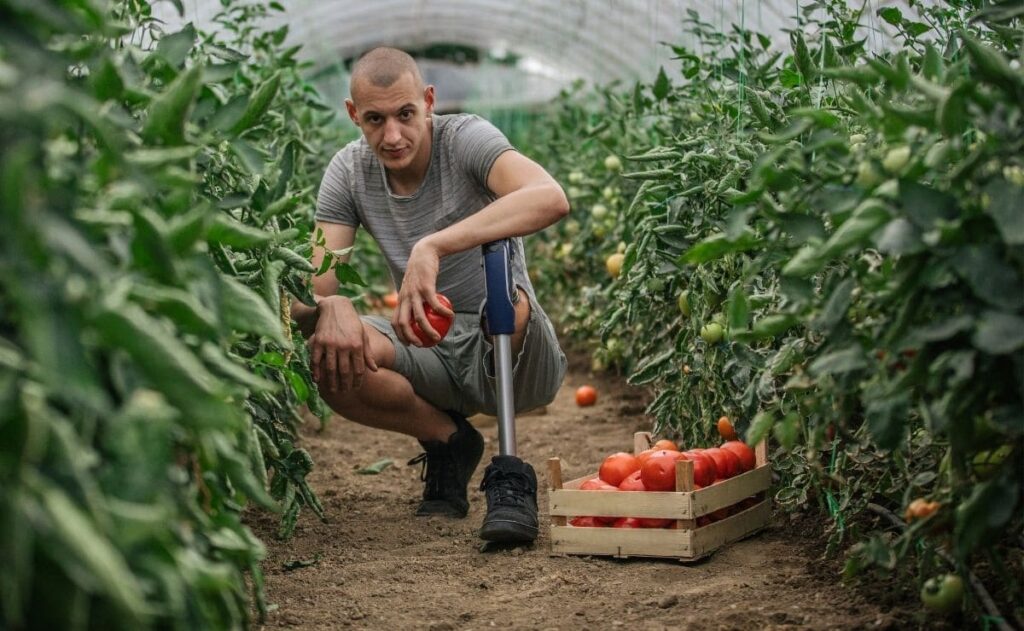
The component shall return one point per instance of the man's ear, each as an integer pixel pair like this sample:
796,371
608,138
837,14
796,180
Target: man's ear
352,113
428,98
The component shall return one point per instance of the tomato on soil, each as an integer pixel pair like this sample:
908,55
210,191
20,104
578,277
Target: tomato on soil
920,508
617,467
943,594
586,395
745,453
440,323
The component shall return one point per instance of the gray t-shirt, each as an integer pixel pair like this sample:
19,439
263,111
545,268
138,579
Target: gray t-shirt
355,192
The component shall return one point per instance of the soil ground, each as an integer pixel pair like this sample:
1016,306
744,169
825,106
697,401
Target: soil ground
380,567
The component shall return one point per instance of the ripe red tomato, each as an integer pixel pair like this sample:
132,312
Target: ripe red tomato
440,323
627,522
391,300
665,443
703,467
586,522
586,395
745,453
726,463
654,522
644,455
617,466
597,484
632,482
659,472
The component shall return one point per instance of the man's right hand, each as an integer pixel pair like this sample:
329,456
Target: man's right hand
339,348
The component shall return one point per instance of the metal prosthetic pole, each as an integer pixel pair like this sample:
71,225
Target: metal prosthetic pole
501,324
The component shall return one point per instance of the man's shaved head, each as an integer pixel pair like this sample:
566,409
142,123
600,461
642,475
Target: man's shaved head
383,66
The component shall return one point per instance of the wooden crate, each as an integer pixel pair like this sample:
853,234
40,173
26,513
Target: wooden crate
687,542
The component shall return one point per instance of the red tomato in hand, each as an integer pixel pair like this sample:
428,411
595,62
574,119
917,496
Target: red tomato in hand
439,322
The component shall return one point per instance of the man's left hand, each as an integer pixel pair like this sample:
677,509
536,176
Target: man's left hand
419,286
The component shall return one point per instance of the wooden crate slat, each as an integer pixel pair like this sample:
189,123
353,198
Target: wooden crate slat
621,542
713,536
731,491
667,505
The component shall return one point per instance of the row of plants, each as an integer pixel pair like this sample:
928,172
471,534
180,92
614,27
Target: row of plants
157,195
825,244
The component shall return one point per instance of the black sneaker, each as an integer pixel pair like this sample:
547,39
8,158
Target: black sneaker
511,487
447,468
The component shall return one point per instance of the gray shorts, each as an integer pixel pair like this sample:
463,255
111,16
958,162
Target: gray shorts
458,373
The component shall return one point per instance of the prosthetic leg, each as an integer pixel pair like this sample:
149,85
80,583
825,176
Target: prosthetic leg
509,483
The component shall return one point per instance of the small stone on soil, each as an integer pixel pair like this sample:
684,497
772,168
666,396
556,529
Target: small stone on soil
668,601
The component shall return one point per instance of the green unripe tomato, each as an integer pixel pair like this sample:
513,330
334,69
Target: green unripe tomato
575,177
867,175
943,594
712,333
613,164
986,463
598,211
684,303
896,159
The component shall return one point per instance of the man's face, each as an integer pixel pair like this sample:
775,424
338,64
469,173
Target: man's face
393,119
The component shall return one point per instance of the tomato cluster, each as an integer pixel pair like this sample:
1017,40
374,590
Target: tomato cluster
654,469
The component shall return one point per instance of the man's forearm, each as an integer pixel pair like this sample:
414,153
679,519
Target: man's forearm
517,214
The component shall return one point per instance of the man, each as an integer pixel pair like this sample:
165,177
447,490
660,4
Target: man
431,190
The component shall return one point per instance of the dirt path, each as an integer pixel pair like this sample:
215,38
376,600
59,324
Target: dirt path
382,568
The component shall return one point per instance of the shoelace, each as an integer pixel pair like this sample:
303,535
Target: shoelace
435,473
509,488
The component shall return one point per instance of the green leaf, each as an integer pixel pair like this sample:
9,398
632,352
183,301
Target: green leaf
759,427
650,367
941,331
661,86
251,158
835,307
838,362
900,237
174,48
298,385
106,81
855,231
771,326
226,231
346,275
259,104
1005,209
376,467
73,532
165,122
990,276
887,418
787,431
985,512
234,368
228,115
925,206
716,246
739,310
891,15
999,333
243,310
